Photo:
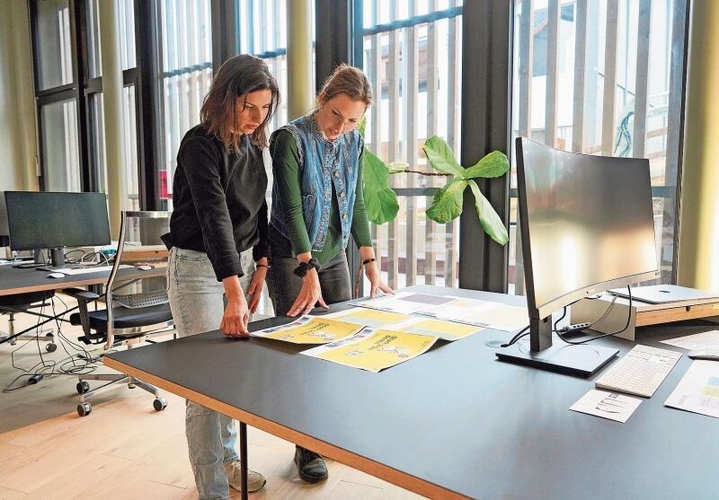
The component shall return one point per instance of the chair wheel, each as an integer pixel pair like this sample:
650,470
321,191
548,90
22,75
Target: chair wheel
84,409
50,347
82,387
159,404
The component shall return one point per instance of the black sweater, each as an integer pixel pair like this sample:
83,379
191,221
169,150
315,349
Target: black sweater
219,201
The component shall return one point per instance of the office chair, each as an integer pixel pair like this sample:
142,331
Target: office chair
25,303
135,298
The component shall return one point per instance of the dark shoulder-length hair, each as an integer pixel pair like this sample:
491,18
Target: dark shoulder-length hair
236,78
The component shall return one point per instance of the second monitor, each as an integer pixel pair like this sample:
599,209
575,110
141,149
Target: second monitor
40,220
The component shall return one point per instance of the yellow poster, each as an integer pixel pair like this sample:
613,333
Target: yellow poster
374,350
310,330
372,318
446,330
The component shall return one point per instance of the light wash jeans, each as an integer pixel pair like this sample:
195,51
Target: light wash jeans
197,303
284,286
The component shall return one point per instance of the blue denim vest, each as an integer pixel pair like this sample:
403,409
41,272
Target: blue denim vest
323,164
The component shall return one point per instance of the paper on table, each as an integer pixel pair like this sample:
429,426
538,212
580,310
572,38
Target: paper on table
447,330
310,330
482,313
374,350
698,390
405,302
608,405
704,340
373,318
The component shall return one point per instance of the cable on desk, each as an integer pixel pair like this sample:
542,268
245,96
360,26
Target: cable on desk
604,315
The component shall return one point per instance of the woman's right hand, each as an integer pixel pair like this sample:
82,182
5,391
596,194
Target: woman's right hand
310,294
237,314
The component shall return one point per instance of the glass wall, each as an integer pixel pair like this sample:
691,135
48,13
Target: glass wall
60,146
185,37
603,77
412,55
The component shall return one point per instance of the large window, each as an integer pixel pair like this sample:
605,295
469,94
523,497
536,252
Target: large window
412,55
186,65
56,86
603,77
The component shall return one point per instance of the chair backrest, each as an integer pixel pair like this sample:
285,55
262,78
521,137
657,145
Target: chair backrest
137,278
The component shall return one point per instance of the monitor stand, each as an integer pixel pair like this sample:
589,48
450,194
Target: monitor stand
582,360
579,360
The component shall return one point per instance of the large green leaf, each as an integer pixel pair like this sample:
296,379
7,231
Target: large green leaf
495,164
380,200
488,217
447,203
441,157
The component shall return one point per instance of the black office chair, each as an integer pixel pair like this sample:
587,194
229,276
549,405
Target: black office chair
26,303
139,302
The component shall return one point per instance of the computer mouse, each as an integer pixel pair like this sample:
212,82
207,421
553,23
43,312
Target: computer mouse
55,275
704,354
144,267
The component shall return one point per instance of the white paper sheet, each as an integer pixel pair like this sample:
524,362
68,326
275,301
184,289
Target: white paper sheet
698,390
608,405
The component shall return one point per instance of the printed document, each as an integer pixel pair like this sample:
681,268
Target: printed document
446,330
373,318
310,330
484,313
374,350
704,341
698,390
608,405
405,302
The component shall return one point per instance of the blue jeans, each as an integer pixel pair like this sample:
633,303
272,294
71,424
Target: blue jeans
284,286
197,303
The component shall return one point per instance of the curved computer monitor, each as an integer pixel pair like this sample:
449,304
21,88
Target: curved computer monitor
38,220
587,225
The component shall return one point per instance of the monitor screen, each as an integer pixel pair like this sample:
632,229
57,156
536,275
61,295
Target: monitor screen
586,224
41,219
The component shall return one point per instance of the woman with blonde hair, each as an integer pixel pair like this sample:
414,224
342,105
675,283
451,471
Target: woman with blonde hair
317,203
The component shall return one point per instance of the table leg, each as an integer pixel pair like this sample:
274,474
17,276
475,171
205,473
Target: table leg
243,458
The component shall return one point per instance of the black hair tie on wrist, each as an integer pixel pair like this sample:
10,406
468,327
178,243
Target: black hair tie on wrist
304,267
367,261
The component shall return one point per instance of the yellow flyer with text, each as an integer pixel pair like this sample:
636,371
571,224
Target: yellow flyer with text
310,330
374,350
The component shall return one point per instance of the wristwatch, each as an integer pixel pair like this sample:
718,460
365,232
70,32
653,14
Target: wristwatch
304,267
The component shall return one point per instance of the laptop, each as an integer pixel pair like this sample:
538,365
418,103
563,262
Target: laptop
662,294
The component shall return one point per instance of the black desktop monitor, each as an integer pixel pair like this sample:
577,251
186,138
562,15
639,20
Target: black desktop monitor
49,220
586,225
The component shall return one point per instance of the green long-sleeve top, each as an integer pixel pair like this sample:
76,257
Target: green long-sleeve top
286,171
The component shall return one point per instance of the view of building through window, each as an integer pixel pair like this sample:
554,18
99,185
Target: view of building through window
599,78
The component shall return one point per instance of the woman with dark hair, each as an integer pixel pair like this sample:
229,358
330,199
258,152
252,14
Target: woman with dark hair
218,244
317,203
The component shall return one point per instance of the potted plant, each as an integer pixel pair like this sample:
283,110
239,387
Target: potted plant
381,201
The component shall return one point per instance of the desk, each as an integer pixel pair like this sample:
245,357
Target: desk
452,423
15,281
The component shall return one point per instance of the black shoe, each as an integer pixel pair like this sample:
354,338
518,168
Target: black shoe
310,465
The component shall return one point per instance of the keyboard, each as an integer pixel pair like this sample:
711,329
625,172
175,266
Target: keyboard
640,371
72,271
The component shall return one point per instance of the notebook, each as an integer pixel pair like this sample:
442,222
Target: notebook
661,294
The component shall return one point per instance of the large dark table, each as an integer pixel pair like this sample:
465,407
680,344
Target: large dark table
454,422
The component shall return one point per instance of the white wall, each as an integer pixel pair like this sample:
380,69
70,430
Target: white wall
18,139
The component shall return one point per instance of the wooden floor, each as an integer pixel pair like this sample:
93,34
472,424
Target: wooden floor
125,449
